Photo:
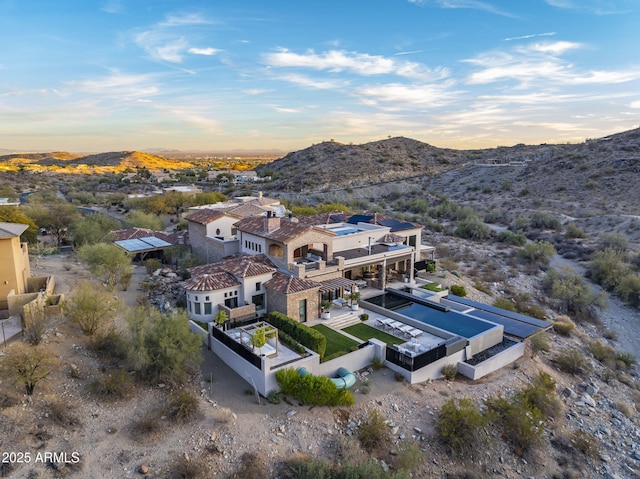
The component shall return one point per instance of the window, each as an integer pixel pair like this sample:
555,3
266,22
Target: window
197,308
207,308
231,302
234,231
189,305
226,294
206,298
258,286
258,300
197,298
217,231
412,240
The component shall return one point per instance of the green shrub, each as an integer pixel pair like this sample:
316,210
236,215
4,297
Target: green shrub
312,390
373,432
364,317
541,395
460,426
458,290
571,361
181,406
410,457
309,468
626,358
602,352
305,335
539,252
505,303
572,232
521,423
564,326
275,397
252,466
540,342
292,343
509,237
586,443
113,386
543,220
449,371
473,228
377,363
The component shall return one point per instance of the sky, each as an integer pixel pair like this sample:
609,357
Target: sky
111,75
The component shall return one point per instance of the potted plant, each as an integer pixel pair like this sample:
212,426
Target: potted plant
355,296
220,318
326,305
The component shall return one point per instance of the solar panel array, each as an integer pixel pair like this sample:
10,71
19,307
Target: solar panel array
142,244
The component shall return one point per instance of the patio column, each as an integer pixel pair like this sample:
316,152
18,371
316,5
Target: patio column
411,268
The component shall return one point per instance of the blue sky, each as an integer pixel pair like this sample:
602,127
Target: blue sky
84,75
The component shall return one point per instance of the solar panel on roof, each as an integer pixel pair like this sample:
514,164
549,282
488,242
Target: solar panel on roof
132,245
511,326
502,312
155,242
355,219
396,225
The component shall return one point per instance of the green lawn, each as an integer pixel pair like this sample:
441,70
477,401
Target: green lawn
336,342
366,332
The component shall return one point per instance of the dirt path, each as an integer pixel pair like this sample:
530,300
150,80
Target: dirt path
617,316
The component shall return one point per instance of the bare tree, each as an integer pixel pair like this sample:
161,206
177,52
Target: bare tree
29,365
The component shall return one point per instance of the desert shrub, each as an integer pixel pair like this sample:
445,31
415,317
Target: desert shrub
570,293
607,268
586,443
504,303
181,406
373,432
458,290
540,342
311,389
152,265
543,220
538,252
398,376
460,425
626,358
626,409
628,288
521,423
449,371
274,397
62,413
110,347
161,346
571,361
563,325
613,240
8,400
369,469
377,363
112,386
251,467
307,467
305,335
572,232
602,352
147,427
184,467
473,228
509,237
541,395
410,457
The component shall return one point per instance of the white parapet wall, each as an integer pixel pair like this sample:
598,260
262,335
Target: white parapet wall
492,364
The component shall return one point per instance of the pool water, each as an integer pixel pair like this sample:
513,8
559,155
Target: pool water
451,321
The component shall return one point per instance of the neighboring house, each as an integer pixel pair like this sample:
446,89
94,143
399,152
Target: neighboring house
213,234
14,259
235,285
212,230
184,189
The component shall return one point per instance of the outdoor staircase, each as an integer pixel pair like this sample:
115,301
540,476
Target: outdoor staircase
344,320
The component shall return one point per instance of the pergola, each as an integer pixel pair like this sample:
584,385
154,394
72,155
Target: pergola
142,246
255,328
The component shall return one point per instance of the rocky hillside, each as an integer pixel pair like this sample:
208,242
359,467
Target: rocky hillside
112,162
594,177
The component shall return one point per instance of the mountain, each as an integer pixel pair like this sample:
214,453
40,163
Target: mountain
598,174
112,162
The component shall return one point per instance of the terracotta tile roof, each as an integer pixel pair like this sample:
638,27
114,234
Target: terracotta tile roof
211,282
287,284
286,232
11,230
241,266
324,218
205,216
246,210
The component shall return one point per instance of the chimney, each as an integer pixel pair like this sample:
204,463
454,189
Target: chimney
259,195
271,222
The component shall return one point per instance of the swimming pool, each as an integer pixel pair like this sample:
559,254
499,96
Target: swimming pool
433,315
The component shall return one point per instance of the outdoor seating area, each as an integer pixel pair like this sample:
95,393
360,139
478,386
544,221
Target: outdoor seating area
413,348
396,326
243,336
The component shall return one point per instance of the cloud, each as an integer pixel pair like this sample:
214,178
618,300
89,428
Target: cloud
117,86
203,51
183,20
525,37
256,91
281,109
467,4
597,7
408,95
408,53
352,62
307,82
554,48
635,104
113,6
